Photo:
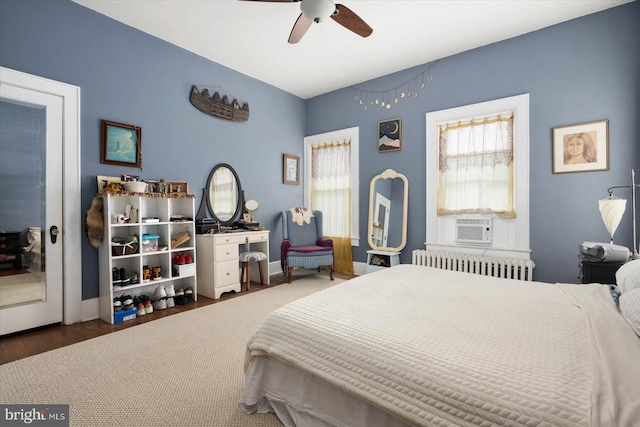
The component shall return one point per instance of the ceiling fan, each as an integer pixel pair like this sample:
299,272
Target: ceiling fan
318,10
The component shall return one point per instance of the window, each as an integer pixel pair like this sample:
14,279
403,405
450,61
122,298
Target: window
335,139
487,185
476,166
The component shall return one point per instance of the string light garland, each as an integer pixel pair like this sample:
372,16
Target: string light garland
388,97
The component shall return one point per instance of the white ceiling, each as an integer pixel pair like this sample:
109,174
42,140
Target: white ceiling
251,36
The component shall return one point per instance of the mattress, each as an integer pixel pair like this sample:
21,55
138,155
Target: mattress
413,345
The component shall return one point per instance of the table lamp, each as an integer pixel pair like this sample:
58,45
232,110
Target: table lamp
612,210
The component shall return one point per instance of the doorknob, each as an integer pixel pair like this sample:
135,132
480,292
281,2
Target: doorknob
54,233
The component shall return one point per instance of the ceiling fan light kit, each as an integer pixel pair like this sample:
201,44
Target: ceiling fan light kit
317,11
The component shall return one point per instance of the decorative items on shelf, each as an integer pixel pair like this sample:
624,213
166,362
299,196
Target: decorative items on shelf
387,97
219,106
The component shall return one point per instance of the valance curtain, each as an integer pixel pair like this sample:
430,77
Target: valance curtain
331,194
476,167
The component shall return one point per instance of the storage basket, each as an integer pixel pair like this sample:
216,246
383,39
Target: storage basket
118,249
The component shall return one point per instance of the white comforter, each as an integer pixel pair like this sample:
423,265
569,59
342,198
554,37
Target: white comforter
434,347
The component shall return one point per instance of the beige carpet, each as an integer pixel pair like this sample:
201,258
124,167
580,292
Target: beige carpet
22,288
180,370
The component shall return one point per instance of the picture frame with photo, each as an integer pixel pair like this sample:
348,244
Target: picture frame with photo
179,187
291,170
120,144
103,181
582,147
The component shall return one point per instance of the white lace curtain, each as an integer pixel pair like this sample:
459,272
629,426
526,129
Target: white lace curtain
331,186
476,167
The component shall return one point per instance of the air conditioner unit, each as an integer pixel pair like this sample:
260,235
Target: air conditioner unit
474,230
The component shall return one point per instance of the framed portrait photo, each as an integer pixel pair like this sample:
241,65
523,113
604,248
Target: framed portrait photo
582,147
291,170
121,144
389,135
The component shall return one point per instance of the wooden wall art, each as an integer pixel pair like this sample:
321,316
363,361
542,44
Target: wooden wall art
219,106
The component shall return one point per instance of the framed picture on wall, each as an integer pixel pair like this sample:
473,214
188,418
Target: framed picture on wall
121,144
291,170
389,135
581,148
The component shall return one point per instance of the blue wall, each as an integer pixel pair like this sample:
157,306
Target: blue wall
130,77
579,71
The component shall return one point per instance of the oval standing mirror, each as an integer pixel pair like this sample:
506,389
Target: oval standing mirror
223,194
388,202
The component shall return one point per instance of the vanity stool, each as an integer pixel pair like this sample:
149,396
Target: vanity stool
246,258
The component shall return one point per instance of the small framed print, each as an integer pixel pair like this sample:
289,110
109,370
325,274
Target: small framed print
389,135
103,181
581,148
121,144
178,187
291,170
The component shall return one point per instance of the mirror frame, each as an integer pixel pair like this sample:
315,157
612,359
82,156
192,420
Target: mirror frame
389,173
239,202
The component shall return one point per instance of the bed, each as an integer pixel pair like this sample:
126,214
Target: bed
414,345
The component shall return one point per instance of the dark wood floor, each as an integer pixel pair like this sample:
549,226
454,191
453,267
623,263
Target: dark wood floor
25,344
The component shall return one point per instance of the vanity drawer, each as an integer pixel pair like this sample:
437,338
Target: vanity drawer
225,253
226,273
223,239
258,237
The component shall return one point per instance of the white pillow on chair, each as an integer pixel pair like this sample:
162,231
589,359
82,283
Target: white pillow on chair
628,276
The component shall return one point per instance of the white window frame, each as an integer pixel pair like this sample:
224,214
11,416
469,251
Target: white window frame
354,135
511,236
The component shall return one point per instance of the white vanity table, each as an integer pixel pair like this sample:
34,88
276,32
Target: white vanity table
218,262
379,260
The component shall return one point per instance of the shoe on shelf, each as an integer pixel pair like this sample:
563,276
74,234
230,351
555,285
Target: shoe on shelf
159,293
117,305
124,279
156,273
146,273
181,299
127,304
178,259
134,279
161,304
170,291
115,276
189,294
180,292
140,310
188,259
148,307
170,302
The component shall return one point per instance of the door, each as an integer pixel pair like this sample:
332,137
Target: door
31,197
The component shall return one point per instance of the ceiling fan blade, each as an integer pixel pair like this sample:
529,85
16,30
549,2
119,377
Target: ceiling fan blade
299,29
351,21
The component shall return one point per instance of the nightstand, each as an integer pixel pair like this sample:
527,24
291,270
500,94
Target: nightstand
599,272
378,260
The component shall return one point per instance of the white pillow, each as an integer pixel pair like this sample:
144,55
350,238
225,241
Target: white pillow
628,276
630,308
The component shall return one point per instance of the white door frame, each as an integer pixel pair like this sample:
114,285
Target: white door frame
71,203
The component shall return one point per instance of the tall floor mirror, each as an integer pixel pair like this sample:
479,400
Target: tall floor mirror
387,222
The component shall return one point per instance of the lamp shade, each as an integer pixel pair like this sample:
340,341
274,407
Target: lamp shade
611,210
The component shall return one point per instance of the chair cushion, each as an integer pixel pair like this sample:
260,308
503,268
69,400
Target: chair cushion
310,249
252,256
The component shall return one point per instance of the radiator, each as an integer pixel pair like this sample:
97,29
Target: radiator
487,266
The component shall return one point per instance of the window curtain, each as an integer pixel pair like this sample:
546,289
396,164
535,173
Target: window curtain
476,167
331,194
